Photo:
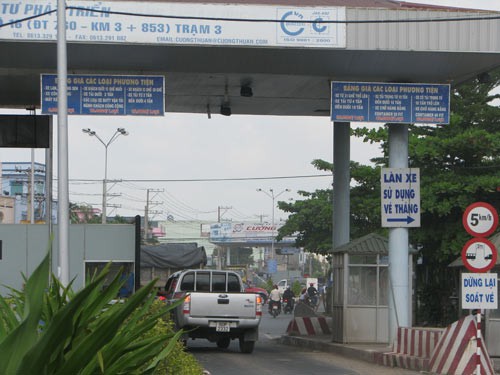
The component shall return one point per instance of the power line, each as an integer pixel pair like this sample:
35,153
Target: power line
263,20
213,179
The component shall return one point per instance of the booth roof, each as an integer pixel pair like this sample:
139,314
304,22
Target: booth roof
370,244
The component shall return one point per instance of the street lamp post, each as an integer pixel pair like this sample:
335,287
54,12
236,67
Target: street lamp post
273,197
92,133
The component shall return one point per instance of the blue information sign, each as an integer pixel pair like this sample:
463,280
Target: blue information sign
272,266
107,95
405,103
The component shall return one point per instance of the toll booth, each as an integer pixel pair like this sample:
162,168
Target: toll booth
360,311
491,317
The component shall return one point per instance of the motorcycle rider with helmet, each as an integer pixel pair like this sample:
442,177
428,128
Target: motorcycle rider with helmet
289,297
313,294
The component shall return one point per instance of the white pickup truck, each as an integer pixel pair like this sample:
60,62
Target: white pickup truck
215,307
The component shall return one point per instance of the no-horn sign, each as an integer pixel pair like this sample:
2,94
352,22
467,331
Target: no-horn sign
479,255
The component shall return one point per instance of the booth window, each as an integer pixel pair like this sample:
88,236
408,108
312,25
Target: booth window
368,280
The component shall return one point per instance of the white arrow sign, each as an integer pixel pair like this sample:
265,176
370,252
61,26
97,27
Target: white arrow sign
400,197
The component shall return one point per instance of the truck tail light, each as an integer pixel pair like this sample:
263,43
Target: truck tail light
186,306
258,304
179,295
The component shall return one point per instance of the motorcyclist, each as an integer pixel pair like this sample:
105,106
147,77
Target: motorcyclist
274,297
313,294
289,296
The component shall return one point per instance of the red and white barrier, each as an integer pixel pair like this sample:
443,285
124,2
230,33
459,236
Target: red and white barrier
412,349
455,353
306,326
417,342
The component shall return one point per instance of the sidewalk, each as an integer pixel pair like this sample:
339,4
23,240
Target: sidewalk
364,352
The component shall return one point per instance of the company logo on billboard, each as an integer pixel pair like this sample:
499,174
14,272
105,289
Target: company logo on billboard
237,228
260,228
242,227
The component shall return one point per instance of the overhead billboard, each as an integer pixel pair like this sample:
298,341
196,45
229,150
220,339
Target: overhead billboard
178,23
246,233
405,103
106,95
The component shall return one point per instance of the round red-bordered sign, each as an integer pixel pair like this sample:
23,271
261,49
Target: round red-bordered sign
479,255
480,219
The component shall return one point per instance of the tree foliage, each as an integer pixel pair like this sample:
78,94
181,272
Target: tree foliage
310,221
459,165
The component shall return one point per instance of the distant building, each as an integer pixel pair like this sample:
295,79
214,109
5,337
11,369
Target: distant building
15,198
186,231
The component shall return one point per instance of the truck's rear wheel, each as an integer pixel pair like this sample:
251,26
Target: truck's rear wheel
223,343
246,346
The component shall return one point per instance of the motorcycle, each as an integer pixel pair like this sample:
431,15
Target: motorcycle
312,302
274,308
288,305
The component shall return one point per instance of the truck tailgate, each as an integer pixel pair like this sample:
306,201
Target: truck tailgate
223,305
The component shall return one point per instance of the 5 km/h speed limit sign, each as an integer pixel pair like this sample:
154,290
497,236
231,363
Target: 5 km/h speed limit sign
480,219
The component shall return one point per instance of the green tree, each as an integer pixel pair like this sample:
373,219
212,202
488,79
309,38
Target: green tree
82,213
459,164
310,221
311,218
85,214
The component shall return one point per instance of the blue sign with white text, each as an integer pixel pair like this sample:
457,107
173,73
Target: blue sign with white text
106,95
404,103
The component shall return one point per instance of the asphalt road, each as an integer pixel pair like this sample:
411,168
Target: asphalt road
270,357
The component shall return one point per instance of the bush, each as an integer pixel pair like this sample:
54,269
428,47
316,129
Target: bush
269,285
296,287
48,329
178,362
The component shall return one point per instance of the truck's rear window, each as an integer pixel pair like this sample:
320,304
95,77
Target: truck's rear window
221,282
218,282
203,282
233,283
188,282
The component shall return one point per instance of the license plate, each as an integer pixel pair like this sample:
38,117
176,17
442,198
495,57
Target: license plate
275,307
222,327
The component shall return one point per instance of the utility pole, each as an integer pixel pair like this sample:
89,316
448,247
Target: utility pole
261,216
225,250
147,212
273,198
31,191
219,215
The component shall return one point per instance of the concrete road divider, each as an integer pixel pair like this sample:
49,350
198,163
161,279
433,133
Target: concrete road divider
305,326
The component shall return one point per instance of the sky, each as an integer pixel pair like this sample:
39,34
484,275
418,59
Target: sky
175,156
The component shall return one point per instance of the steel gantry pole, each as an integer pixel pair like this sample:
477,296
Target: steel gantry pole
62,144
92,133
399,304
